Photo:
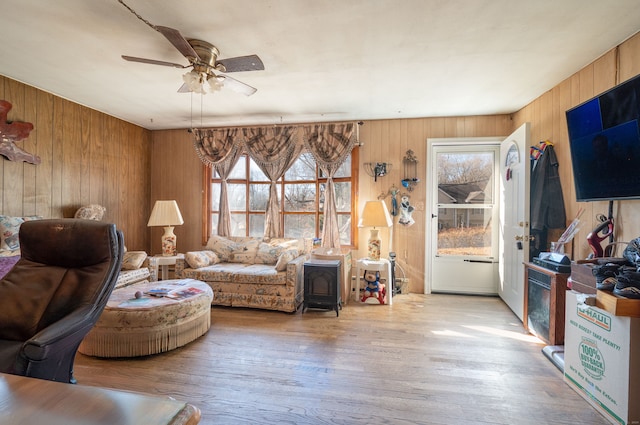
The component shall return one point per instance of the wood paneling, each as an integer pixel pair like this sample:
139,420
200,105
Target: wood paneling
90,157
87,157
177,173
547,115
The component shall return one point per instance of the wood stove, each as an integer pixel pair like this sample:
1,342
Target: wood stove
545,294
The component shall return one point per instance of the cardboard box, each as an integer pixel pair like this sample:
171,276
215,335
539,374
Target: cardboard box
602,359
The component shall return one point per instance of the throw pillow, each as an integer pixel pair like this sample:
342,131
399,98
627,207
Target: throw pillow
284,258
197,259
132,260
245,252
268,254
9,229
222,246
91,212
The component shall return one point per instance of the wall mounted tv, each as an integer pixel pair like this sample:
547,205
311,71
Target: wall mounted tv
604,139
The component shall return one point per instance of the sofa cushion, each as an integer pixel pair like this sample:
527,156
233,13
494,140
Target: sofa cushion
285,257
132,260
222,246
197,259
128,277
245,251
238,273
268,254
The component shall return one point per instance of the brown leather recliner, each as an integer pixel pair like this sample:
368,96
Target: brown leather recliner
55,294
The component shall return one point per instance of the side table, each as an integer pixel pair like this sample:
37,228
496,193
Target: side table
381,265
164,261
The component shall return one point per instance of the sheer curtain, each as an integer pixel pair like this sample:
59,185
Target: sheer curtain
330,145
274,150
218,149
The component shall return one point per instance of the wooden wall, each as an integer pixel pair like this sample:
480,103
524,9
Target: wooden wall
90,157
87,157
547,116
177,174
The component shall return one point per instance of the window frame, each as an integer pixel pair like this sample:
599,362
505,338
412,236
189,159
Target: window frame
209,180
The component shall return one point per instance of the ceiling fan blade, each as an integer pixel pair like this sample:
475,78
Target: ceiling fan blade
242,63
238,86
178,41
184,88
153,62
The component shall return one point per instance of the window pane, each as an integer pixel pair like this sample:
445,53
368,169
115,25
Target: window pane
465,178
344,223
258,197
255,173
464,231
299,226
238,225
343,196
303,169
345,169
237,197
215,197
256,225
300,197
240,170
214,224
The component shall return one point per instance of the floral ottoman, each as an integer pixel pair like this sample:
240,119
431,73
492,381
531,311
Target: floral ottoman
166,315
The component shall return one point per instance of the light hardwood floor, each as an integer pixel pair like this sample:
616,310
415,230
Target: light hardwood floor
427,359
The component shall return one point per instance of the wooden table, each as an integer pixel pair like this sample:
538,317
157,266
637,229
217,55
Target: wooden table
26,401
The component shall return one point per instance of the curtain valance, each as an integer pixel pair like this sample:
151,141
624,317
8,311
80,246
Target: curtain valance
274,149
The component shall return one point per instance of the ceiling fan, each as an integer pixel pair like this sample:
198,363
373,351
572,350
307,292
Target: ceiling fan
203,58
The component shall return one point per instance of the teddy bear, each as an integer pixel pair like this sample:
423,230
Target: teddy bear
373,288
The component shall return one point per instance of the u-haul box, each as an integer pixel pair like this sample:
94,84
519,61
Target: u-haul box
602,359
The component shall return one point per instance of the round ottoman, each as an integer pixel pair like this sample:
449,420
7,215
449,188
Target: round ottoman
130,326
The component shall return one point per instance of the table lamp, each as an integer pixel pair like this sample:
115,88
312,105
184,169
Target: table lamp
375,214
166,214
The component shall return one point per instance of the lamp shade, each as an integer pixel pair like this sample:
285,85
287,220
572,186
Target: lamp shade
375,214
165,213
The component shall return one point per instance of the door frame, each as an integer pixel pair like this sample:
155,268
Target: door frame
431,174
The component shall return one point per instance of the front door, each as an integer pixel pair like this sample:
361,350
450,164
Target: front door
514,217
463,216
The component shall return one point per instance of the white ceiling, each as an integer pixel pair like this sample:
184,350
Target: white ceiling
325,60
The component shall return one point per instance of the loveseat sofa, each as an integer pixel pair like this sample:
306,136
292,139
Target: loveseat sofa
249,271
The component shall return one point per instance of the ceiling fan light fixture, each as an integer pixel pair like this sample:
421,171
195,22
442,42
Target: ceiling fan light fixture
195,81
216,82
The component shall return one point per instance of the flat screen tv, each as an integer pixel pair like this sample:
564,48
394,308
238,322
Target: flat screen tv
604,139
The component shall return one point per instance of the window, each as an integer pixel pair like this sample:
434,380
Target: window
300,195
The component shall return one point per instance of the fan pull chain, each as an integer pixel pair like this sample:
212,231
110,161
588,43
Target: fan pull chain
137,16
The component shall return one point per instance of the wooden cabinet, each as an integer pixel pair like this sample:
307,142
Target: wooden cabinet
544,303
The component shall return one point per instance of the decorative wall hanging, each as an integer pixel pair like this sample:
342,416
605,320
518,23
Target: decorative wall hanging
377,169
393,192
11,132
410,163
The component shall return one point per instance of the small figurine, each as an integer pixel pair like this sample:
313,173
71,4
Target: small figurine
405,212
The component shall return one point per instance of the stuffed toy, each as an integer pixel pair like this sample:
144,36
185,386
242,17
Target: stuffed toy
373,288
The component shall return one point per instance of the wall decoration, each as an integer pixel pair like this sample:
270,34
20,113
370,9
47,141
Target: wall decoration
410,163
406,211
11,132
